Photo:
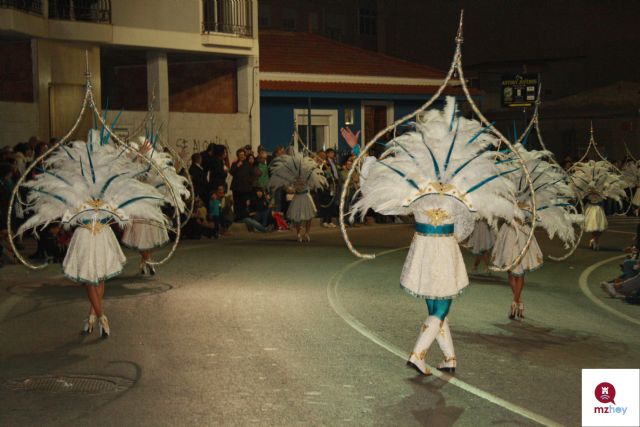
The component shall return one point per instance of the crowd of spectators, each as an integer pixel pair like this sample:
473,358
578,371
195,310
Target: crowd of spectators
237,190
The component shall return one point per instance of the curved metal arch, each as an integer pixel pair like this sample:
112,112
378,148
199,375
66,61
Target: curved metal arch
88,102
456,66
122,143
579,200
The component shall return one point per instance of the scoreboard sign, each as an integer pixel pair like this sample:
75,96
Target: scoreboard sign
519,90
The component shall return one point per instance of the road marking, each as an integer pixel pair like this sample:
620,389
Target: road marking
334,301
584,287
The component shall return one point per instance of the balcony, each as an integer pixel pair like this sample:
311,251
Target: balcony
81,10
228,16
29,6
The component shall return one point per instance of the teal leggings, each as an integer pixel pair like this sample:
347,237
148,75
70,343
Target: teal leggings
439,307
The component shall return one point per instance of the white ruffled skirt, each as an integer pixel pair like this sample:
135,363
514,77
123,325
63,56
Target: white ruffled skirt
481,239
93,258
301,208
594,218
434,268
636,198
509,244
144,236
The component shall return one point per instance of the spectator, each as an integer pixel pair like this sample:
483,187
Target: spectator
6,187
263,167
242,184
278,194
198,177
214,210
330,199
226,209
260,217
199,225
23,155
219,170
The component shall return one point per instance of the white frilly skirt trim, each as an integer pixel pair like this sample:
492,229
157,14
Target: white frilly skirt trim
93,258
144,237
509,244
301,208
481,239
434,268
595,219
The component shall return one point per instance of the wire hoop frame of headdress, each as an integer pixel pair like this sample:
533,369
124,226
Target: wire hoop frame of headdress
88,102
295,140
456,66
149,119
593,145
579,201
628,152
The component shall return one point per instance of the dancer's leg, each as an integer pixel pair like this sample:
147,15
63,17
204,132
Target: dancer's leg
438,310
94,298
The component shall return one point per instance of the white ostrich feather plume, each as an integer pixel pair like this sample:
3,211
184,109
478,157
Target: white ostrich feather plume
296,170
444,157
89,182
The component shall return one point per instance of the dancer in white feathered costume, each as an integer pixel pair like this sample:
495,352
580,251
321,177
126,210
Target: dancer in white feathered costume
301,175
444,174
87,187
554,214
143,236
480,243
595,182
631,175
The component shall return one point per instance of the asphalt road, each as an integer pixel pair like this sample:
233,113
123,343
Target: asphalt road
261,330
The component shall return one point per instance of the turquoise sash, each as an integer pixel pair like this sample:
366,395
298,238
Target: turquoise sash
434,230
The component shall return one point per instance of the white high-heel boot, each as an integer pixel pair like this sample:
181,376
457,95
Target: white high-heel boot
417,360
445,341
89,324
103,323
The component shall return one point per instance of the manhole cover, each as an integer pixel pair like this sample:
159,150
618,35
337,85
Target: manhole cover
84,384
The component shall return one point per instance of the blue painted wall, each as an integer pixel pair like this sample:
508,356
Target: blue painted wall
276,116
276,111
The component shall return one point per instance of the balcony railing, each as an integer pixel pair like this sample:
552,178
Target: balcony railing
81,10
30,6
228,16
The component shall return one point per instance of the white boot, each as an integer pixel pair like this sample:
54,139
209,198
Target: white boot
445,341
418,358
103,324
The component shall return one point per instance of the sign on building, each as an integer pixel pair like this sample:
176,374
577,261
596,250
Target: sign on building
519,90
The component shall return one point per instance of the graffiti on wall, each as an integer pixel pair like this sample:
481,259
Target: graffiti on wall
194,145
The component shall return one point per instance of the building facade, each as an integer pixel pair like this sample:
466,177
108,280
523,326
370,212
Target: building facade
307,78
196,60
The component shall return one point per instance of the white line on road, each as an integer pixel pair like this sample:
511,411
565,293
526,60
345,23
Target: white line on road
334,301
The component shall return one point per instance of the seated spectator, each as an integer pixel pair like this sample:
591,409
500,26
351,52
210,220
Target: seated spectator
226,209
199,225
624,284
260,217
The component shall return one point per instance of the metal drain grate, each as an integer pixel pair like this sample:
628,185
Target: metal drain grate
84,384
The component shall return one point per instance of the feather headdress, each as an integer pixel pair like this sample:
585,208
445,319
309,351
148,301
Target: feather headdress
296,170
553,194
631,174
599,179
445,159
152,149
89,182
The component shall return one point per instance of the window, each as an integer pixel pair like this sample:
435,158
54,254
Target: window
367,21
